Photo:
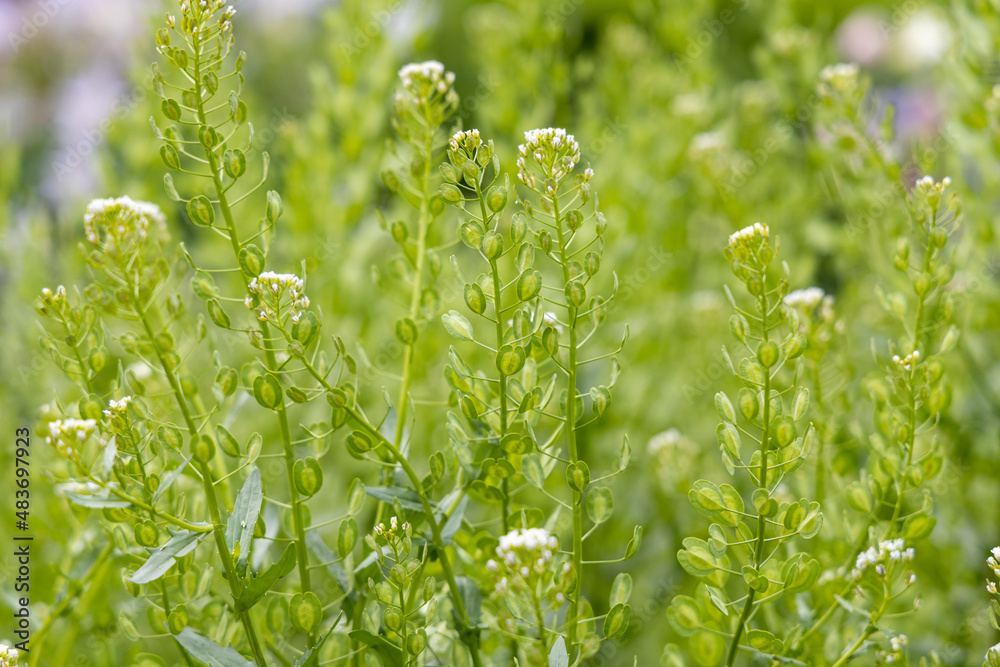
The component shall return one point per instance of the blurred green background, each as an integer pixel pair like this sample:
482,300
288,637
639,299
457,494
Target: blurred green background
699,118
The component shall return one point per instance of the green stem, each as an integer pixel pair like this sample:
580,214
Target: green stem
218,531
288,450
502,381
423,224
468,632
573,611
869,631
59,609
762,484
911,439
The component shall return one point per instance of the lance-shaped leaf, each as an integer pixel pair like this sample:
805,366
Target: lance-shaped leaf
558,657
333,566
454,522
408,499
162,559
170,478
103,499
244,517
254,588
209,652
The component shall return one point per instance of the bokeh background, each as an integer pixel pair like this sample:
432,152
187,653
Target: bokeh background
699,118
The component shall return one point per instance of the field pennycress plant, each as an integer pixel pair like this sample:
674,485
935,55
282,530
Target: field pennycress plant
274,498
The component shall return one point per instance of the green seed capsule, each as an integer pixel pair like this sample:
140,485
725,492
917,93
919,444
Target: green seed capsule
768,354
308,476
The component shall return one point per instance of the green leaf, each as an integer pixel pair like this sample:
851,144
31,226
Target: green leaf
558,657
170,478
162,559
254,588
333,565
407,498
239,528
305,657
454,521
534,472
103,500
209,652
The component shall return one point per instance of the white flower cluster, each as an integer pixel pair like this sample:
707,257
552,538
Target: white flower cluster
522,553
66,434
425,80
842,77
887,552
897,645
118,408
908,361
8,656
749,237
807,298
269,288
993,653
994,564
928,189
56,298
120,220
554,153
465,140
394,526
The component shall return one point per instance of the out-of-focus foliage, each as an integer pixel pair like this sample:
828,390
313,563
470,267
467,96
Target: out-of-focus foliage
700,118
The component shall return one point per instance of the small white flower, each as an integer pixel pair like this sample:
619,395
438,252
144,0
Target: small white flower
841,78
808,298
555,154
749,236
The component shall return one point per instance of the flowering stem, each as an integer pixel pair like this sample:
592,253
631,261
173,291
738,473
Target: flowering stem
75,344
869,631
423,223
540,618
302,553
63,606
468,632
502,380
571,427
218,531
762,483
